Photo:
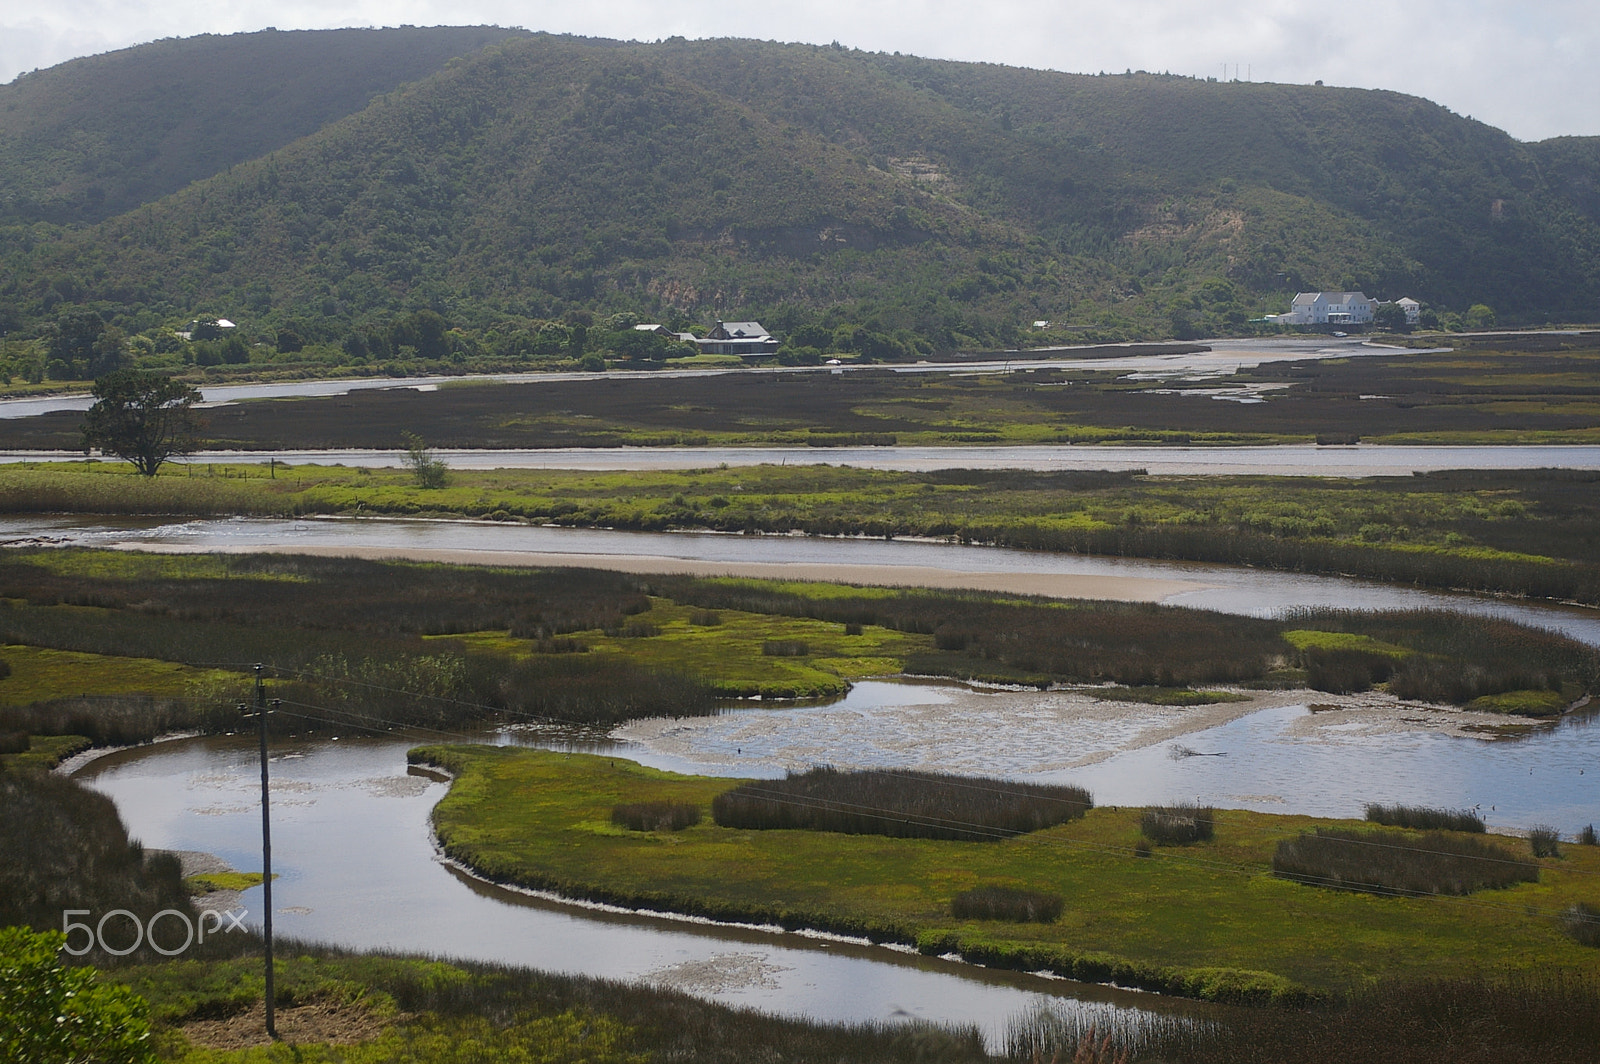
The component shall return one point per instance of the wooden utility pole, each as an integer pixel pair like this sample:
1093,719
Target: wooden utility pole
266,850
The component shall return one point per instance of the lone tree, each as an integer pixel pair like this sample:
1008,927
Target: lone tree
141,417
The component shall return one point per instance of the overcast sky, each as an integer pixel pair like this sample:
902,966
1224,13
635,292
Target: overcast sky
1530,67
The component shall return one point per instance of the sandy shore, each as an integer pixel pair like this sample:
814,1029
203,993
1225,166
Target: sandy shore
1115,588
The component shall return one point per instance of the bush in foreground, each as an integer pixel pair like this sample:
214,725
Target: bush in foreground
1422,818
1006,903
655,816
922,805
1394,862
1178,825
1544,840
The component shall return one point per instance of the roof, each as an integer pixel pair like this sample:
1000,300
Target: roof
738,330
1407,301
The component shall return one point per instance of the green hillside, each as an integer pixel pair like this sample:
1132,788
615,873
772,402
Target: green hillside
936,204
89,139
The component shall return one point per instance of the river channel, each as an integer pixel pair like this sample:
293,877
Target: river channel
352,841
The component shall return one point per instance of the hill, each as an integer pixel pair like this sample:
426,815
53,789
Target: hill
91,138
937,204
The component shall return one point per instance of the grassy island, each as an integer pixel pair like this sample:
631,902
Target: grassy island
1207,920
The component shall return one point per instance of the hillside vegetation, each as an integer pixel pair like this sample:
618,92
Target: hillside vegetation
915,204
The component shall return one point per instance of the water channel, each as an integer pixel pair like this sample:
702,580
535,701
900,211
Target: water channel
1309,460
358,868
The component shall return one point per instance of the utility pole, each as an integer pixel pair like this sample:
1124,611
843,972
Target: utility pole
266,848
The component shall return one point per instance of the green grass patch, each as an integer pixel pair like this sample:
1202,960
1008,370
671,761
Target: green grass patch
210,882
45,752
1522,703
729,655
1306,639
1162,922
39,674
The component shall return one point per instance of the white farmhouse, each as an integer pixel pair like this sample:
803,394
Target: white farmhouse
1412,308
1326,308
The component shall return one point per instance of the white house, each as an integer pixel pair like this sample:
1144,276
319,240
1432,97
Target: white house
739,338
1326,308
1412,308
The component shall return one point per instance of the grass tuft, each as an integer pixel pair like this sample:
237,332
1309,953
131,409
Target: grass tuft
1178,825
1544,840
1006,903
655,816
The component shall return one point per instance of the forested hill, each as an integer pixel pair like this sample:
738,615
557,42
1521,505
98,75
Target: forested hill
93,137
539,175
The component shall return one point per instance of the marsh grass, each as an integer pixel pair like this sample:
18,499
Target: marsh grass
1397,862
655,816
1485,1018
900,804
1178,825
785,648
1424,818
1006,903
1581,922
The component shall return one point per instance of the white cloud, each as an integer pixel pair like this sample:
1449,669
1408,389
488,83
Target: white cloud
1526,67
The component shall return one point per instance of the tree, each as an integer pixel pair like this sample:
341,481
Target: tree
141,417
60,1013
430,472
1480,316
1391,317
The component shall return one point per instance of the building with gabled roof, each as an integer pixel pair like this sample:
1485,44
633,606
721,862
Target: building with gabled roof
1326,308
745,338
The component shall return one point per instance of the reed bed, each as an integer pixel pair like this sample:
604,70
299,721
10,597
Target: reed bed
1550,1016
1424,818
1397,862
655,816
1178,825
922,805
1458,657
1006,903
1068,1035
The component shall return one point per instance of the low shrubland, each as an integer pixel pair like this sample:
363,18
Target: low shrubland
1423,818
900,804
1399,863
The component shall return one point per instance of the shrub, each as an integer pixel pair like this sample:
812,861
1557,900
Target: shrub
1544,840
1582,924
1178,825
705,618
1394,862
1422,818
1006,903
1586,837
852,629
655,816
14,742
923,805
785,648
5,668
